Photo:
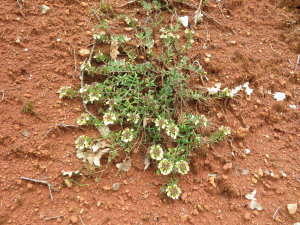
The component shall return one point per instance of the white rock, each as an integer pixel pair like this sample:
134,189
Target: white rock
45,9
247,151
292,208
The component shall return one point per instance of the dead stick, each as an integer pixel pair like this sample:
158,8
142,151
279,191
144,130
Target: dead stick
298,59
55,217
21,9
40,181
74,60
80,219
275,212
47,133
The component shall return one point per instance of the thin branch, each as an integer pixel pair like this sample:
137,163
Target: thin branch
74,60
21,8
55,217
40,181
298,59
275,213
80,220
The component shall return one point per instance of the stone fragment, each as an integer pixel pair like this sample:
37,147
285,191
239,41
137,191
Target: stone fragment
30,186
260,172
116,186
200,209
84,4
84,52
227,166
183,196
247,216
68,183
125,182
206,207
73,219
292,208
145,196
185,218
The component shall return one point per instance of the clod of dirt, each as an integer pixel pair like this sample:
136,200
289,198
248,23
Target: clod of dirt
68,183
260,172
185,218
84,52
242,132
116,186
45,9
292,208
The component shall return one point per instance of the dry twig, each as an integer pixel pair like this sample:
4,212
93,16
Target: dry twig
40,181
55,217
275,213
298,59
21,8
75,61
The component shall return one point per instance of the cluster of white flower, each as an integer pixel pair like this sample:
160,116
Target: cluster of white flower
94,97
172,130
203,121
161,123
82,143
165,166
224,130
156,152
228,92
127,135
98,55
84,119
109,118
87,66
182,167
111,102
173,191
129,21
98,36
64,91
132,117
187,31
169,35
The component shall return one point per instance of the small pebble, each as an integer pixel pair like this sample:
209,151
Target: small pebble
241,144
292,208
116,186
247,216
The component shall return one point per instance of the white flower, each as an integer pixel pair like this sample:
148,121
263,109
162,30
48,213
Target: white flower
173,191
161,123
83,119
177,36
156,152
165,166
279,96
82,143
182,167
172,130
109,118
127,135
132,117
163,36
228,92
225,130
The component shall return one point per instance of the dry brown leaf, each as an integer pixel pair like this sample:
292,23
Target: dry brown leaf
114,45
147,160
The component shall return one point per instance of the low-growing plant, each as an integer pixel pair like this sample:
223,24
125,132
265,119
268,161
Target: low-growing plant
148,102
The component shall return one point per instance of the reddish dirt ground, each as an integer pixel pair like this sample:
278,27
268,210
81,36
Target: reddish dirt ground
258,42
